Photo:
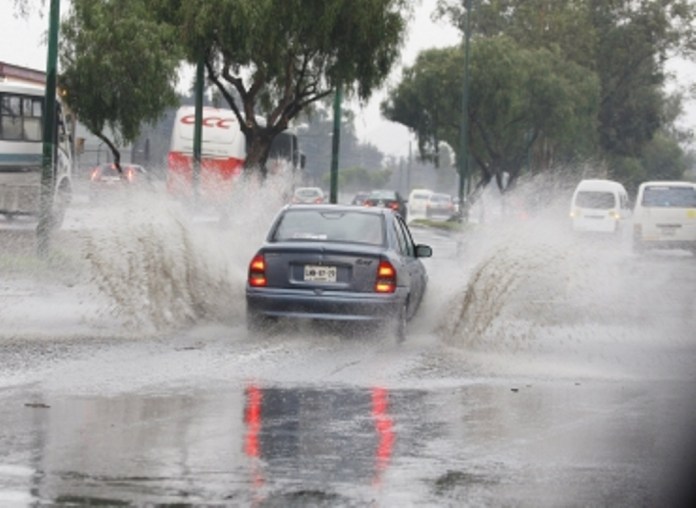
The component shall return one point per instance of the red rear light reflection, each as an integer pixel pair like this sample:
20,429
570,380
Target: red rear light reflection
257,271
386,277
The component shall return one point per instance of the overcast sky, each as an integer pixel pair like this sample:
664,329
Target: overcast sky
22,43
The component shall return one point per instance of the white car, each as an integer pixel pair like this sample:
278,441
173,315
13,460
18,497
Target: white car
418,201
599,206
665,216
313,195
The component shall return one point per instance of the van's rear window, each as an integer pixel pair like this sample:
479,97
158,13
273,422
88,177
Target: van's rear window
595,199
665,196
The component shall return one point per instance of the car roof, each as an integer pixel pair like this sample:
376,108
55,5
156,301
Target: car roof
599,185
340,208
670,183
383,192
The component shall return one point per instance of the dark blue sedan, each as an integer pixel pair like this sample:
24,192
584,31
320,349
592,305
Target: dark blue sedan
337,263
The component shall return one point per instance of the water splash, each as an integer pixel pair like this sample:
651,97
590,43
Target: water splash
164,267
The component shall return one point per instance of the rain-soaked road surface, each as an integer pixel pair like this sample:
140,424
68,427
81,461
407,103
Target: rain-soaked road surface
542,370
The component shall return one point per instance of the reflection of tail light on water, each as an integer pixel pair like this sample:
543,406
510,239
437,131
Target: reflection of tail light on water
252,418
385,431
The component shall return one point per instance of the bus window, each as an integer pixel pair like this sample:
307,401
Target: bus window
20,118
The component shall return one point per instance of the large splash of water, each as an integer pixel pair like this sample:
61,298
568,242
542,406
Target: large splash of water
166,265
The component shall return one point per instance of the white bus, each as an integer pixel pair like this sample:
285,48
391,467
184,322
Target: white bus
21,153
223,152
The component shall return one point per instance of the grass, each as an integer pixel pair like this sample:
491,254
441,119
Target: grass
452,225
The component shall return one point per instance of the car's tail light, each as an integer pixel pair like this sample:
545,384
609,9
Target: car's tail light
319,200
386,277
95,175
614,214
130,174
257,271
394,205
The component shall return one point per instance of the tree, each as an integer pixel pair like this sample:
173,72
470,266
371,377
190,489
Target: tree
519,99
625,42
119,67
281,56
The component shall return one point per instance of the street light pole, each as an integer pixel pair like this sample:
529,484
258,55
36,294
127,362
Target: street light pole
46,212
335,144
198,131
463,158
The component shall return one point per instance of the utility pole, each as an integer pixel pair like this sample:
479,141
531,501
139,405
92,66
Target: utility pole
46,212
463,156
410,167
198,131
335,144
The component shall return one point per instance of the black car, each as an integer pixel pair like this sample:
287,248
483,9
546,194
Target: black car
387,199
339,263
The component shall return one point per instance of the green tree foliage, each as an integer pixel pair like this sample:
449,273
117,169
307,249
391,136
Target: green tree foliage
280,56
518,97
624,42
119,67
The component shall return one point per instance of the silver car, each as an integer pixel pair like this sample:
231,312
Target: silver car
338,263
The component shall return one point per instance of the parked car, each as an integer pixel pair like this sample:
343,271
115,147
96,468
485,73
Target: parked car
418,202
387,199
339,263
105,180
599,206
440,205
664,216
308,195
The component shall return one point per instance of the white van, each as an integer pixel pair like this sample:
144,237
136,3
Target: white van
418,201
665,216
599,205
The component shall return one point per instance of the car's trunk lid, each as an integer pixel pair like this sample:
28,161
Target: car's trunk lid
336,267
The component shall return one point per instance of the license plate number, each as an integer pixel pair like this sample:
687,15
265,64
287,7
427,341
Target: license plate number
319,273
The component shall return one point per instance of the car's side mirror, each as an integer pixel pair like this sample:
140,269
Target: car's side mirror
423,251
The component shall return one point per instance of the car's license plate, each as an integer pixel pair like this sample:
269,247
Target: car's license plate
319,273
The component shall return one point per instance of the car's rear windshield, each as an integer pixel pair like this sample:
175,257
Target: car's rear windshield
665,196
330,226
595,199
382,195
421,195
440,198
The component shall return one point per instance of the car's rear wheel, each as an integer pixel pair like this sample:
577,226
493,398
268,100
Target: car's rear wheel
398,324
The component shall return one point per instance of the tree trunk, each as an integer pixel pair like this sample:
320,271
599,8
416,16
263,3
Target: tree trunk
114,151
257,154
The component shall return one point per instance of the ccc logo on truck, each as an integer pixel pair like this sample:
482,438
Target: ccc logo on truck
211,121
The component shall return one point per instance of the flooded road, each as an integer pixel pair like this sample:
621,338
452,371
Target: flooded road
543,370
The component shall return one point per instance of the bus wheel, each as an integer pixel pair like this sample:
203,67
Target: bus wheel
60,205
